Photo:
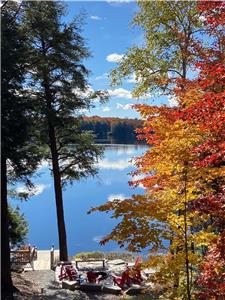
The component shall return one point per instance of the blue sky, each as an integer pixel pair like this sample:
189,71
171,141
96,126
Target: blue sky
108,33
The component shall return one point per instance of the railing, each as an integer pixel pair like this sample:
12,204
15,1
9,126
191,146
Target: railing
23,256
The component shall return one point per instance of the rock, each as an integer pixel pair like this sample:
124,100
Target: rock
116,262
26,269
70,285
135,289
148,272
57,273
112,289
91,287
17,269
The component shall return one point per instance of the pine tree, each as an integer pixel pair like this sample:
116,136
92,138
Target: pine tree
58,80
19,151
18,226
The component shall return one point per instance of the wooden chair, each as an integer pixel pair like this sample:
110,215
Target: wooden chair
68,272
129,276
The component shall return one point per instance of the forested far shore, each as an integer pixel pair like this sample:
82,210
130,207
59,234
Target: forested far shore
116,129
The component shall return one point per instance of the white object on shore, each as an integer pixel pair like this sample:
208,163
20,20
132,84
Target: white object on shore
112,289
70,285
116,262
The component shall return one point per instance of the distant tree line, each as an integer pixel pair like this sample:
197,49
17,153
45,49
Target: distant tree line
116,129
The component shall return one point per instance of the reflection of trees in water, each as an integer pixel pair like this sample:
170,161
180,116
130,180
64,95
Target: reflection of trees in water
120,132
123,148
112,141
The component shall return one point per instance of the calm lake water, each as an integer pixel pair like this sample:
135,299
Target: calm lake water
83,231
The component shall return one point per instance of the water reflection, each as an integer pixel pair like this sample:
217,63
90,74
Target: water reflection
83,231
123,148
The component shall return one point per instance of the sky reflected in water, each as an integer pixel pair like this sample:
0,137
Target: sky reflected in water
83,231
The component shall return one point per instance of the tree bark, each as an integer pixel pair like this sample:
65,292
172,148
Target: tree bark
186,238
63,253
6,279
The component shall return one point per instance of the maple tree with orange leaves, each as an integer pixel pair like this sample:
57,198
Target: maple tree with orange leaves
183,170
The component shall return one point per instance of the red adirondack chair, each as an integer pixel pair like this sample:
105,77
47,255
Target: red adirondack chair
130,275
68,272
96,277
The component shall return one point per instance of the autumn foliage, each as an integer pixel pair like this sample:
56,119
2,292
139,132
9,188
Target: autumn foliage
181,214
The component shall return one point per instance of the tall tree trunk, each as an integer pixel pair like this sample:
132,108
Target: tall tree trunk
6,279
186,237
63,253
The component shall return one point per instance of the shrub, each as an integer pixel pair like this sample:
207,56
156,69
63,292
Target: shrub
126,256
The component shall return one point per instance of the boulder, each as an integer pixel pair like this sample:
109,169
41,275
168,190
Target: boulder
111,289
135,289
116,262
95,287
70,285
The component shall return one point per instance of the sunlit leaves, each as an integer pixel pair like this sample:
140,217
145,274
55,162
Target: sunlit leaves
183,169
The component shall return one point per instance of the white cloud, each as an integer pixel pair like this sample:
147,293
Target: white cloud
96,18
133,79
43,164
127,94
58,83
85,94
83,111
97,238
172,101
114,165
106,109
114,57
103,76
127,151
123,106
118,2
120,93
138,177
37,190
113,197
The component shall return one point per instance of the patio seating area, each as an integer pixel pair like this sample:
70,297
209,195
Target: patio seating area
114,277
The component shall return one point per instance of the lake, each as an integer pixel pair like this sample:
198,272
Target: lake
83,231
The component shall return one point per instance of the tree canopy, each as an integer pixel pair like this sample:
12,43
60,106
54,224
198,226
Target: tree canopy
18,227
183,172
58,80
